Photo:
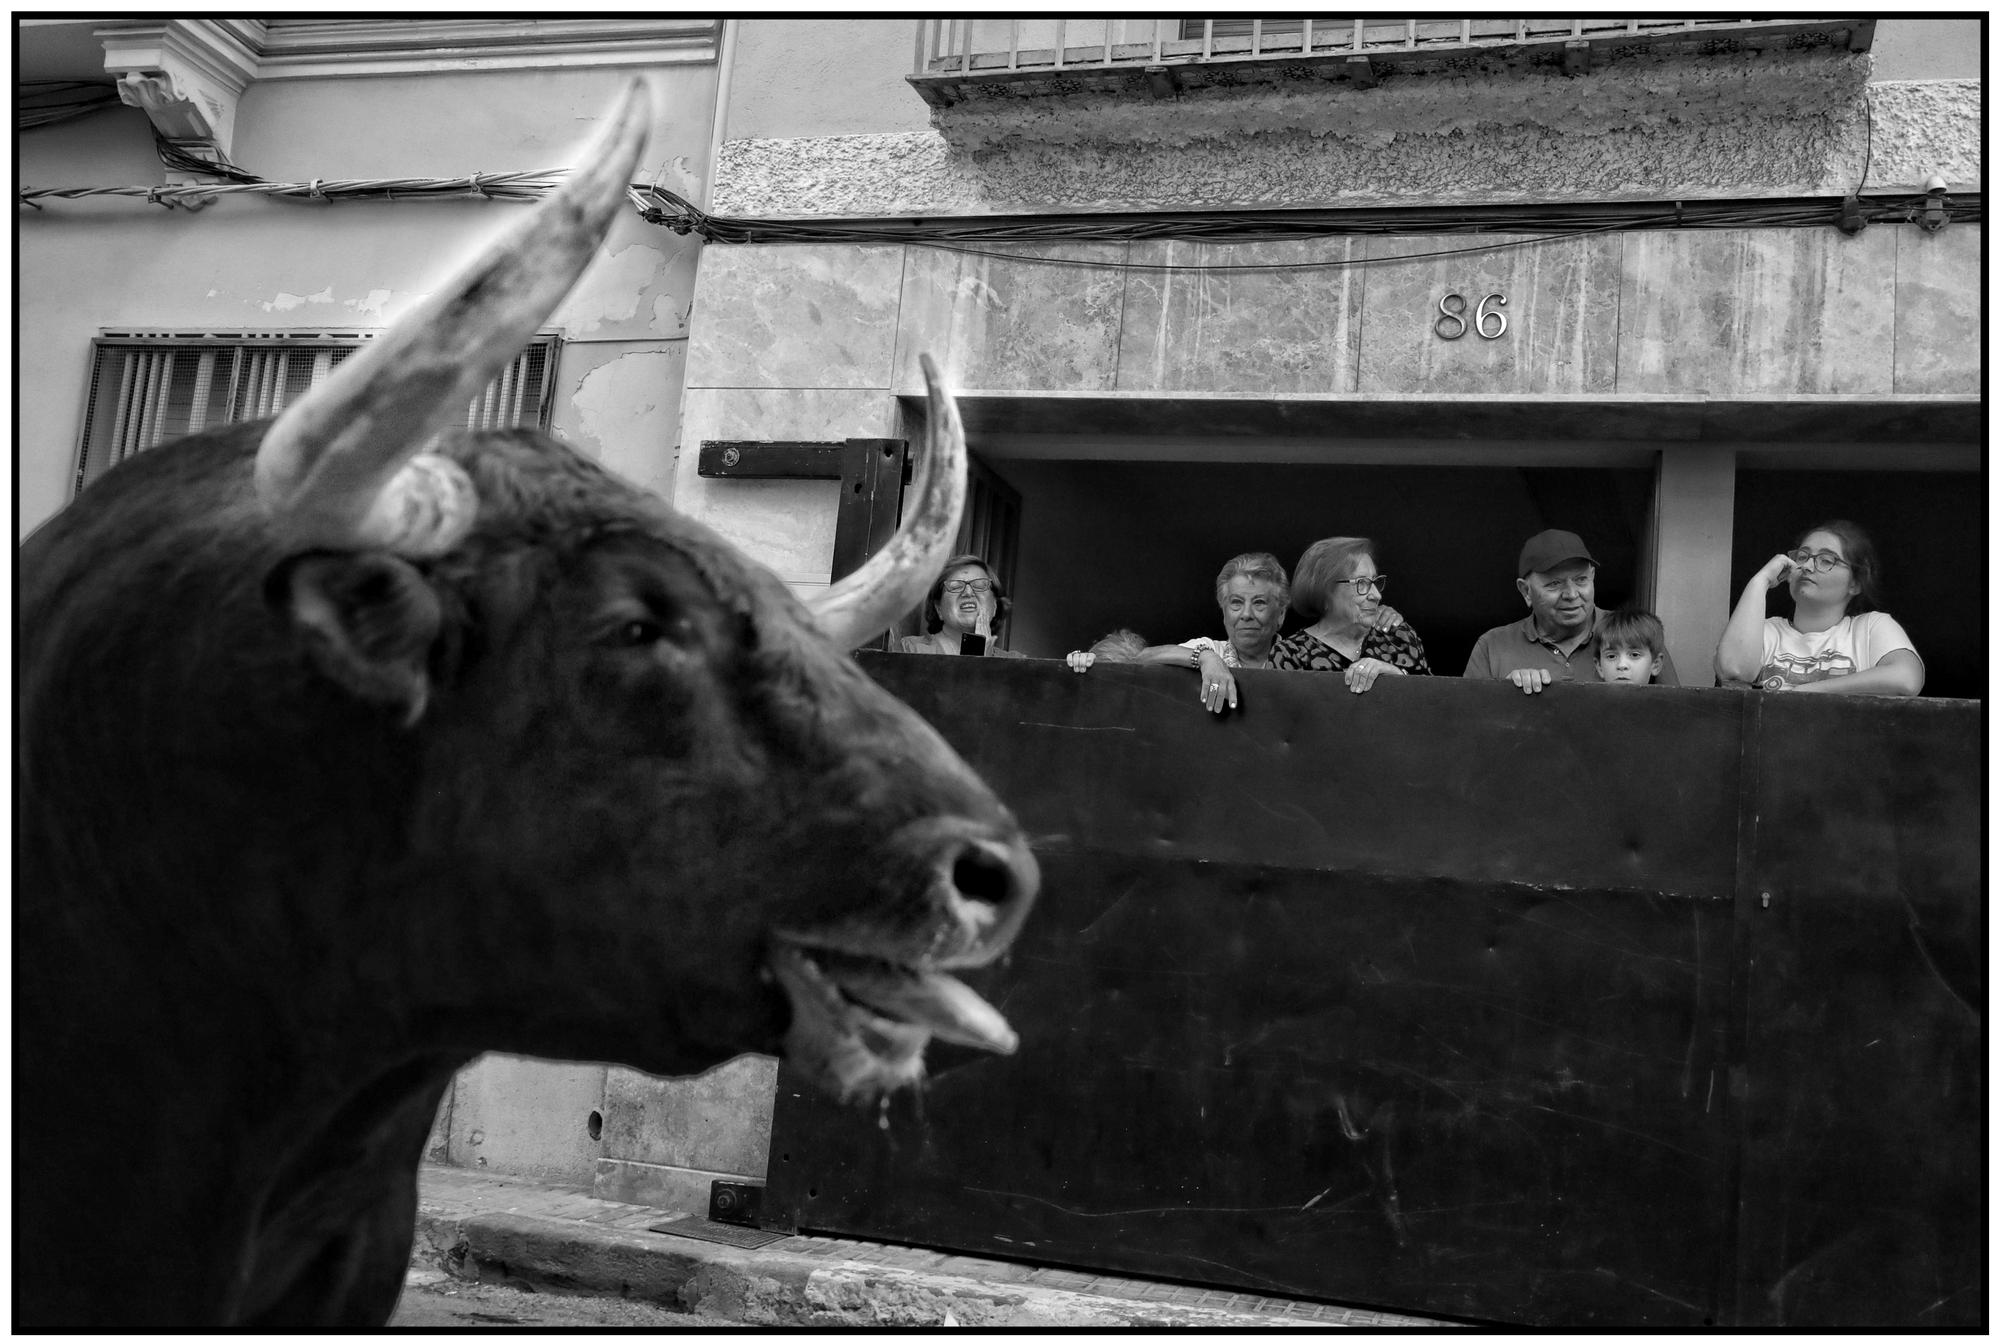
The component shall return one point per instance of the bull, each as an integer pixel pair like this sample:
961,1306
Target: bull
350,749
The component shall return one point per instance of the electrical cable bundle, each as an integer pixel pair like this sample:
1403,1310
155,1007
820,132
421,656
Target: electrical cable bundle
1541,222
1547,221
45,102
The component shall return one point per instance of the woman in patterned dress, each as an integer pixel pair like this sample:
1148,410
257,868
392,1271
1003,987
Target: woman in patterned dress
1339,590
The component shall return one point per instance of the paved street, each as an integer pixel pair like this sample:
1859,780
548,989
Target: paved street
433,1300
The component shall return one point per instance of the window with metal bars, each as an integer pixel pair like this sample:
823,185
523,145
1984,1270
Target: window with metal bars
149,387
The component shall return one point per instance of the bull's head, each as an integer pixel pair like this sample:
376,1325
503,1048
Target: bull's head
470,737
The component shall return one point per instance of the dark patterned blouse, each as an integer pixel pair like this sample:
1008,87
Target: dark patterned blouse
1303,652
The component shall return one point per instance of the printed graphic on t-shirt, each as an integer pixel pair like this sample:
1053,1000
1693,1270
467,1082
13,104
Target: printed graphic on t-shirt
1796,669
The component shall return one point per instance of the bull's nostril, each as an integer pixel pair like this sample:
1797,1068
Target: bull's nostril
983,876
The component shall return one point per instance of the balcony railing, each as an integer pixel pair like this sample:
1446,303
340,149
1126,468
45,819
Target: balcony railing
1040,54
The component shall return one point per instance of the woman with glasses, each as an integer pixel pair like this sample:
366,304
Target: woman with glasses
1835,640
1337,588
966,605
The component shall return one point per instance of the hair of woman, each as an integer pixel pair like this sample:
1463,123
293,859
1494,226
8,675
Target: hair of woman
1861,559
1254,565
1120,646
1001,603
1325,563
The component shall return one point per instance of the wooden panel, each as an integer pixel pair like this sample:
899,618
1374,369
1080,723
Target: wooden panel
1422,1000
1561,316
871,497
768,459
1864,1158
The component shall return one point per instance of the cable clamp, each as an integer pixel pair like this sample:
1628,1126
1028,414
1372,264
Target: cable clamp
313,192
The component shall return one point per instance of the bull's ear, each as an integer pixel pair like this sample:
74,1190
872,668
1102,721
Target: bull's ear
368,621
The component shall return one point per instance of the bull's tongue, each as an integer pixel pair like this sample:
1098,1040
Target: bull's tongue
943,1005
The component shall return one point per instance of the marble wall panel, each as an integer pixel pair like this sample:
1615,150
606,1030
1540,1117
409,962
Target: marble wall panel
1730,312
1008,323
1204,327
1939,342
793,315
1561,310
785,525
714,1121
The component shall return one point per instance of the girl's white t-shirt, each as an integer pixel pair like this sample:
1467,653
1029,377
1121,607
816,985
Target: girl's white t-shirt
1793,657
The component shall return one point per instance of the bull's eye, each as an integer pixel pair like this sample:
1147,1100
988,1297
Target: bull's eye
641,632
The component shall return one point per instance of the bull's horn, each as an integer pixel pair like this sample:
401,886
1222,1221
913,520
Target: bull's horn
898,576
336,465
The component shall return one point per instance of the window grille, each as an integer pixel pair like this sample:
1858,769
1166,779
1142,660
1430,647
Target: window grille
149,387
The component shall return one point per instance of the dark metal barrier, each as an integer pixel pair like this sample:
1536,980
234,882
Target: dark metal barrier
1599,1007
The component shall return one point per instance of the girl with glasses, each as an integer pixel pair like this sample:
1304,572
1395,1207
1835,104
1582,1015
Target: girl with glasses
1836,640
1338,589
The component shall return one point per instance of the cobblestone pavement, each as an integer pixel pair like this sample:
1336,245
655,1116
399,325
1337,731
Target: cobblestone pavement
433,1300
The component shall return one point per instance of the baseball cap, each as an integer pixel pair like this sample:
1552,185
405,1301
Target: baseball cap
1546,550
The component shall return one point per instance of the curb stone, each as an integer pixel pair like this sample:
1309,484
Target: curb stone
475,1226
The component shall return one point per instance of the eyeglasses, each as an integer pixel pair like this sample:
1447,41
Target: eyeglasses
1819,560
958,587
1380,583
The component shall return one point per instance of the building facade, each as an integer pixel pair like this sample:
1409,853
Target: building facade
1684,287
1682,357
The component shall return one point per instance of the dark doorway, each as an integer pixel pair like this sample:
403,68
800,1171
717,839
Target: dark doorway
1138,544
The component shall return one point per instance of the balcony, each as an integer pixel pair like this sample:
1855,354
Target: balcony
961,57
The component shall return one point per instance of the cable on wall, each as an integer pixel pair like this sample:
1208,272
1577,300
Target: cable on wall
45,102
984,235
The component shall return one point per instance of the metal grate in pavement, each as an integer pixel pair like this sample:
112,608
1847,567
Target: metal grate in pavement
702,1229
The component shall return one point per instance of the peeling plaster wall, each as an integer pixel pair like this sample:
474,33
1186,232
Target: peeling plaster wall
252,264
620,404
1800,125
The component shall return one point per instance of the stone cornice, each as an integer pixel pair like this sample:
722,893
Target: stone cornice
306,49
187,74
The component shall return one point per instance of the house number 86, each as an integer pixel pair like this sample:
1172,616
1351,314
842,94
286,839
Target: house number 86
1456,315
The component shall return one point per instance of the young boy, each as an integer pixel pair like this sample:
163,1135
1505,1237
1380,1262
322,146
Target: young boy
1630,646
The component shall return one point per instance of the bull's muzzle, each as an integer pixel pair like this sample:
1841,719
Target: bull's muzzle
868,996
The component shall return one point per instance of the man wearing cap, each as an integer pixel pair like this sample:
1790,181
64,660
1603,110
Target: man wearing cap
1558,639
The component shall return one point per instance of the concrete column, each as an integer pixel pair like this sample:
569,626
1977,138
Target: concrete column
1694,504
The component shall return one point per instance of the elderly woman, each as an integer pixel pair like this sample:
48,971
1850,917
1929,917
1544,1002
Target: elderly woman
1836,640
965,606
1339,590
1252,592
